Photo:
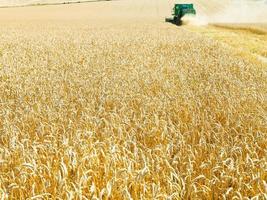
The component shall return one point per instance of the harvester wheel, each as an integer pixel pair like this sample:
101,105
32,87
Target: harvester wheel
178,21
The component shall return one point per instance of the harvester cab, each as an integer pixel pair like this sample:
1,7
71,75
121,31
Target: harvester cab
179,11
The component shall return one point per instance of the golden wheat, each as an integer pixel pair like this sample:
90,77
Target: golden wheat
125,110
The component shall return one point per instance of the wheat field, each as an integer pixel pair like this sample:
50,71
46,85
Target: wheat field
106,101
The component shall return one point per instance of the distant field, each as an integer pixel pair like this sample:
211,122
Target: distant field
35,2
107,101
249,38
256,28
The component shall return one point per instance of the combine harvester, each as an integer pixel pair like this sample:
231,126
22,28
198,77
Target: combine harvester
179,11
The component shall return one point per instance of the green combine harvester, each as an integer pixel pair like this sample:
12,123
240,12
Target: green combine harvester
179,11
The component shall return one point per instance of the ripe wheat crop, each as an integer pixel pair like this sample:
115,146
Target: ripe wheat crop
134,110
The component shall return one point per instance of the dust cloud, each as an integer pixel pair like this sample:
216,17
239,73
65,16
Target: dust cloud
195,20
242,11
233,11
